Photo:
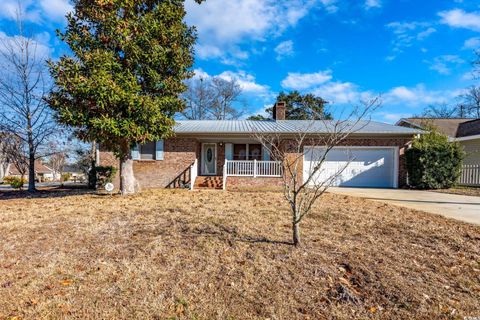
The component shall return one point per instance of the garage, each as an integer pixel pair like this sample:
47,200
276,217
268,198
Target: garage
374,167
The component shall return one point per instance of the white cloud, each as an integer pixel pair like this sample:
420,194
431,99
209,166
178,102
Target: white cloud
246,81
330,5
444,64
35,11
225,26
472,43
342,92
458,18
261,111
321,84
55,9
39,44
284,50
300,81
370,4
417,96
406,34
390,117
426,33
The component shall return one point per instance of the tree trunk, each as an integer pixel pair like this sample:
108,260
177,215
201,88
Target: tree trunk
92,173
296,234
128,183
31,171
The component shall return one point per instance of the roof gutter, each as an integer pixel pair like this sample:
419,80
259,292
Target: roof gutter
477,136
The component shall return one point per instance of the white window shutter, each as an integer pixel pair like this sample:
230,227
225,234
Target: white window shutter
159,150
136,152
266,154
229,151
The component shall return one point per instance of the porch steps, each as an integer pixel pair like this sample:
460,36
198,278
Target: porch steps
208,182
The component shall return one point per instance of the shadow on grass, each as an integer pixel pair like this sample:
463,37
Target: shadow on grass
47,192
230,234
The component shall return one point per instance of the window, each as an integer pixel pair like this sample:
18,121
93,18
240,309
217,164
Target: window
147,151
247,152
255,152
239,152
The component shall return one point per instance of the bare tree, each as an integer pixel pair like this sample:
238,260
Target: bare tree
441,110
471,102
23,85
57,161
476,65
227,93
15,151
302,187
199,98
212,98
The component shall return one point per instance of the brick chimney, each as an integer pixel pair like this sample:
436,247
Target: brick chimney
279,110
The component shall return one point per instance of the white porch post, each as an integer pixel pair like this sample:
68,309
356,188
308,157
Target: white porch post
225,168
254,168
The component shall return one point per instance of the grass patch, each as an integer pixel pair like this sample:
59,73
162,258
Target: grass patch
174,254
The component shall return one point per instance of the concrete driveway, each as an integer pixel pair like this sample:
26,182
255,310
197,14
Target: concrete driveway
464,208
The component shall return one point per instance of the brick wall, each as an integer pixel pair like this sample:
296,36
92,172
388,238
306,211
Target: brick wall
179,154
239,183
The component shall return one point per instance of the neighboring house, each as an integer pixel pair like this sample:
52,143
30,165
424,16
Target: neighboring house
42,172
4,165
76,174
465,131
200,150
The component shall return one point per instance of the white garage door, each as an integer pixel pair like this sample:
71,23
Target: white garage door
364,166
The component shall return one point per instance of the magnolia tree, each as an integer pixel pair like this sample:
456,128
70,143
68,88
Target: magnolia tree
303,187
123,83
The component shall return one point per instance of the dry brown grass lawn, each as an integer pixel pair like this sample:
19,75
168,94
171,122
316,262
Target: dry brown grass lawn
214,255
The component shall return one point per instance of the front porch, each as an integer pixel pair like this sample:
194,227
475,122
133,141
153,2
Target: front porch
217,161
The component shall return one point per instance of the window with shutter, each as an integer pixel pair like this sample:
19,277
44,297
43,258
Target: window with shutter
159,152
147,151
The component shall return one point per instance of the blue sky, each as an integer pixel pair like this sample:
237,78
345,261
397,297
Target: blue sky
413,53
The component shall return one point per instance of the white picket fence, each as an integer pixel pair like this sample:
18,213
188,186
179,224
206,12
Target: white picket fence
470,175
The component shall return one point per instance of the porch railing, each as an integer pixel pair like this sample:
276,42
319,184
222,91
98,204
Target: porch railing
252,168
470,175
193,173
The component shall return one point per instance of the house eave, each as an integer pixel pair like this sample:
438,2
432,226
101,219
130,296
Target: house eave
474,137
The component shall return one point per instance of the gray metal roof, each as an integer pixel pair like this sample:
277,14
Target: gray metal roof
286,127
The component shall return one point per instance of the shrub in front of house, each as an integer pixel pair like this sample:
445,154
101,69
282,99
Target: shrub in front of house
66,177
104,175
15,182
433,162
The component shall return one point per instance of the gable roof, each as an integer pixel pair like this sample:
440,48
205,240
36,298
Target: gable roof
452,127
286,127
39,168
469,128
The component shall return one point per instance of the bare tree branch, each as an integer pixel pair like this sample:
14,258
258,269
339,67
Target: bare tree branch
24,116
302,187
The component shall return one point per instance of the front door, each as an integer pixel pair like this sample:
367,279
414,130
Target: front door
209,159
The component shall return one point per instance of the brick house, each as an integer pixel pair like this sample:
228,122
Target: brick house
202,149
